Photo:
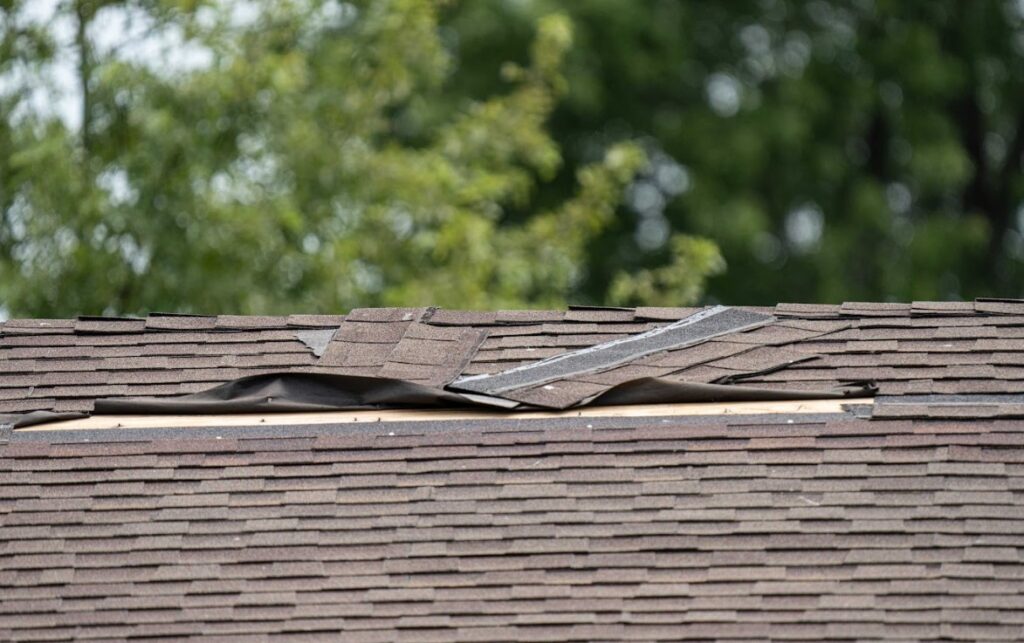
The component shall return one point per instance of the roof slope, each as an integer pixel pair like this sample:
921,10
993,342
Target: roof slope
738,528
905,525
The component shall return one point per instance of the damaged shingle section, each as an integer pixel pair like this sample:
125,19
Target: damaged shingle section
395,344
921,348
316,339
528,383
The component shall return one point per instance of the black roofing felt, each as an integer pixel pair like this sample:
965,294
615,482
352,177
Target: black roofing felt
289,392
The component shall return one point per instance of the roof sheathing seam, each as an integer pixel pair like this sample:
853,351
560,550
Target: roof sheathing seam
446,418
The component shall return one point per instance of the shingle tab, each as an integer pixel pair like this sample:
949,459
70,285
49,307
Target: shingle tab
941,308
37,326
158,321
999,306
443,317
599,314
387,315
251,322
109,325
874,309
661,313
807,311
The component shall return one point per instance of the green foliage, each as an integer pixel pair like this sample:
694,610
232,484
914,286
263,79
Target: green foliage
682,279
330,154
312,163
835,149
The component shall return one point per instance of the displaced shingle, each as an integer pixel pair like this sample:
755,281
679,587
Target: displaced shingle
371,332
699,328
941,347
411,350
355,354
999,306
759,359
693,355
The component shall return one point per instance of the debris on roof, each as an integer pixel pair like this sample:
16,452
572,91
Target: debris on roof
695,329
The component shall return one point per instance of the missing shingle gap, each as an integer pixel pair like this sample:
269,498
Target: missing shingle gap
316,340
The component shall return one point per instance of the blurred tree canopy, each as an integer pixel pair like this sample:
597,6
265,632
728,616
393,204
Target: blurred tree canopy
304,161
315,155
833,149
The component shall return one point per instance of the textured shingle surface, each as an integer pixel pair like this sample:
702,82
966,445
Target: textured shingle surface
742,528
908,525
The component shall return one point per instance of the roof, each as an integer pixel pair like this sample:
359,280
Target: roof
897,521
920,348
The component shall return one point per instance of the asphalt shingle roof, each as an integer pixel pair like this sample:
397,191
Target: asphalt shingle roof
920,348
907,525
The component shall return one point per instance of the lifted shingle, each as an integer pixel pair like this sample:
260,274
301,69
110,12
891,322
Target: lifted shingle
701,327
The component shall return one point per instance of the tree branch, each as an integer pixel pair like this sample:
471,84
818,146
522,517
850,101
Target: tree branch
1012,162
85,67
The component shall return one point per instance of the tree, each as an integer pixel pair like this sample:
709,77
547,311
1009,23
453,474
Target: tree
840,149
306,158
